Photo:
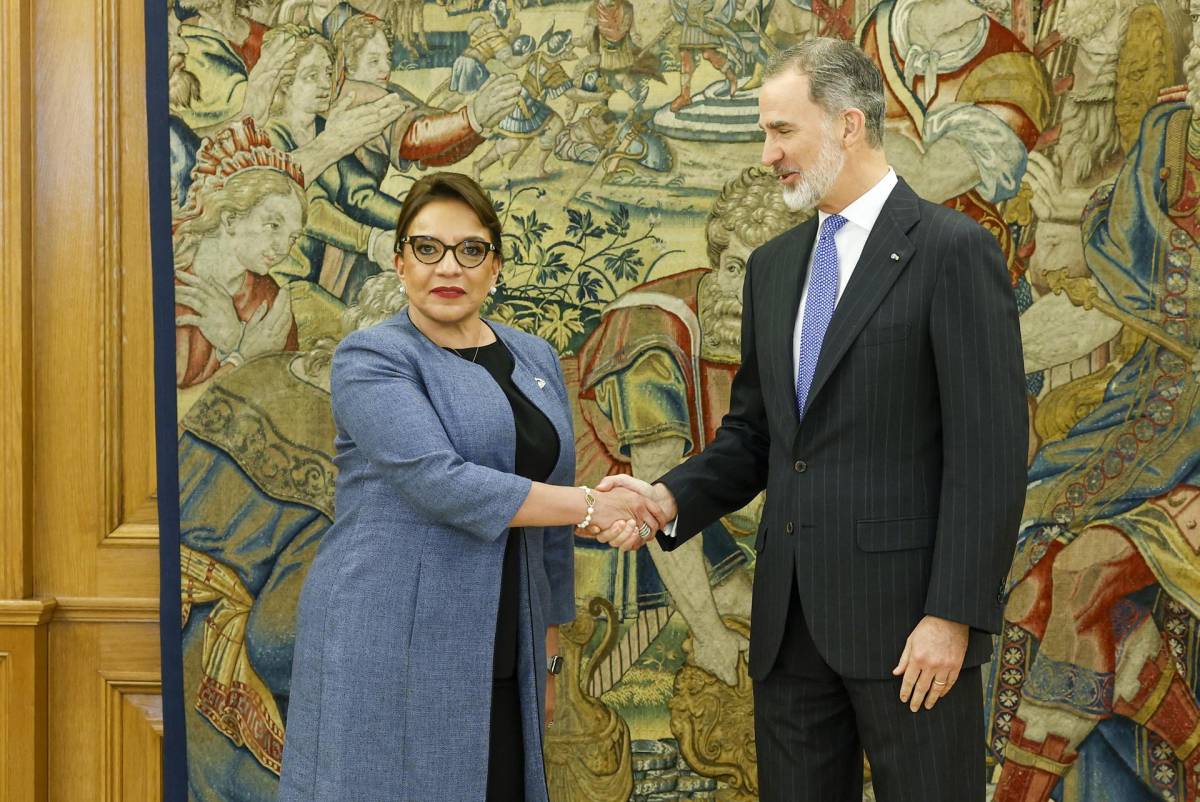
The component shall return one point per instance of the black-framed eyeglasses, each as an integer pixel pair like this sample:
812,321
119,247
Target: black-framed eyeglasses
429,250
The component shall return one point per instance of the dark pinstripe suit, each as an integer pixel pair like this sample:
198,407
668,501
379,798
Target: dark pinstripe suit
898,497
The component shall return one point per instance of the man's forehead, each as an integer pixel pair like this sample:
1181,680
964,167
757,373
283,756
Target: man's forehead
783,99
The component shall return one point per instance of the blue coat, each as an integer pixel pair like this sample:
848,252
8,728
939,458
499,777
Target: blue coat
392,675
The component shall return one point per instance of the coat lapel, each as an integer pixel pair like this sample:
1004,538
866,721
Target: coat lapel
786,290
528,378
873,276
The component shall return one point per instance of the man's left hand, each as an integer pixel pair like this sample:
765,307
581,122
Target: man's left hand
931,661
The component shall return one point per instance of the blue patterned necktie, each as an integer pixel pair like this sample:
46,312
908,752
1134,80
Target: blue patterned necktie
818,308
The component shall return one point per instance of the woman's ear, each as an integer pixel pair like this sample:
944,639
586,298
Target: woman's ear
227,219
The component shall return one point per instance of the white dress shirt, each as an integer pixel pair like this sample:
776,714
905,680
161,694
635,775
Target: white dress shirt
850,240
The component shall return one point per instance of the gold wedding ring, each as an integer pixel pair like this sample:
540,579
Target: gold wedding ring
939,682
644,531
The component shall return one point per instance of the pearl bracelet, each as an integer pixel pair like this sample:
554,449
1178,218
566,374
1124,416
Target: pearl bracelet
590,501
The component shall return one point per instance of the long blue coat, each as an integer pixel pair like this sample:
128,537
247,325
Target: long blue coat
392,675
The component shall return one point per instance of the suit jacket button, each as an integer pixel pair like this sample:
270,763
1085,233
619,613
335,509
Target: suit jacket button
801,466
789,528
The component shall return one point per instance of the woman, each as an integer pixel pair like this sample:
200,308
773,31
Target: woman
297,117
248,534
427,616
245,208
364,50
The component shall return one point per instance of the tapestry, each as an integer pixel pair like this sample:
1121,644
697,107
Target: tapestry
619,141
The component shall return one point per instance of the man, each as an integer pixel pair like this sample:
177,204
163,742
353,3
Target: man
489,39
654,385
623,63
966,102
881,403
705,33
222,48
1106,582
226,18
530,116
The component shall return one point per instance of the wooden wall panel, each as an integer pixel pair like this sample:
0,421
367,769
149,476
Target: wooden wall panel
94,664
16,386
132,518
80,718
141,748
133,740
69,368
7,702
24,707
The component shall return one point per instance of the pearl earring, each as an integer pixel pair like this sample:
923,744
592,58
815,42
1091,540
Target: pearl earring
493,289
401,289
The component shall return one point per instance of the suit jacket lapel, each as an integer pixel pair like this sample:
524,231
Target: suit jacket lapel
786,290
873,276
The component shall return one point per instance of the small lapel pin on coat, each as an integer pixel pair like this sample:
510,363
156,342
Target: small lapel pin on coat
541,383
895,257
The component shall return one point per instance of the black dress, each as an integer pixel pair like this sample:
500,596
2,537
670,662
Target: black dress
536,455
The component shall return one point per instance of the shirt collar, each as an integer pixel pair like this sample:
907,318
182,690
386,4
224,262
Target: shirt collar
864,211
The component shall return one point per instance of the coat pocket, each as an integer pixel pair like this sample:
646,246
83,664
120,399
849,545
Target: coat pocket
416,608
895,534
883,334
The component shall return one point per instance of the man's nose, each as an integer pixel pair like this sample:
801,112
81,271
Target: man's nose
770,154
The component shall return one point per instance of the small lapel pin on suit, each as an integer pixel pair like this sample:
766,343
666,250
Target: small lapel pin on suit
895,257
541,383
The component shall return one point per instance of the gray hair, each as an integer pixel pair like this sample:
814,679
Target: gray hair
380,297
840,76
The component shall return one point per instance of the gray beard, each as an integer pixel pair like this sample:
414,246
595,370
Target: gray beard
1090,132
183,86
721,321
815,183
1082,20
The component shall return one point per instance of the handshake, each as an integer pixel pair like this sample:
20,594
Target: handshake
625,512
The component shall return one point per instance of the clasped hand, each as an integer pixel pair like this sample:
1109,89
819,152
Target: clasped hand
933,654
628,512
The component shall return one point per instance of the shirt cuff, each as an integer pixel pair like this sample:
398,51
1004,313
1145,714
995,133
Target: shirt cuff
669,529
373,238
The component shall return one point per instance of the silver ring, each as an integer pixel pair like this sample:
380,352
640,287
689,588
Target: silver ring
644,531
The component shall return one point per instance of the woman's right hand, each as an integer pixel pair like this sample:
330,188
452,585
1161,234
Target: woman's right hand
267,329
620,505
214,312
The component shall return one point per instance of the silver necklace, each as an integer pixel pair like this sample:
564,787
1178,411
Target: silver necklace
475,354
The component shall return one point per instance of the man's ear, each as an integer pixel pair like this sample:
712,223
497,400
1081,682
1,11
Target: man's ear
854,127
